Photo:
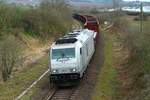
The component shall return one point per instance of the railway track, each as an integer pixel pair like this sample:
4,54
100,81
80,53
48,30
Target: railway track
50,94
62,94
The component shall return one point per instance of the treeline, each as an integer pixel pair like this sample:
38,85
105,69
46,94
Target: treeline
51,18
48,18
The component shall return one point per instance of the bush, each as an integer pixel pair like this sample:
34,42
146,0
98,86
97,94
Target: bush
138,45
94,11
49,18
139,61
10,55
137,66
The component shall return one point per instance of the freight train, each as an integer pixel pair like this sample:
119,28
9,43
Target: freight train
71,54
88,22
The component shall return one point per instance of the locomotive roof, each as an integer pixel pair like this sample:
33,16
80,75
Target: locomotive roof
75,36
66,40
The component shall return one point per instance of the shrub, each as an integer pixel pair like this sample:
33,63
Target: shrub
137,66
138,45
49,18
10,55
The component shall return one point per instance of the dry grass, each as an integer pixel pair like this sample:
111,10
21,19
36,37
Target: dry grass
105,87
20,81
34,64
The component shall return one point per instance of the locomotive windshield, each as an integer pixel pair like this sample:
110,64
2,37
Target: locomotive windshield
63,53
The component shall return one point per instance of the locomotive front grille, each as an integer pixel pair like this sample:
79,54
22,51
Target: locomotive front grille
65,77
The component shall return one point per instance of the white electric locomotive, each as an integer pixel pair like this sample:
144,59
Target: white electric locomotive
70,55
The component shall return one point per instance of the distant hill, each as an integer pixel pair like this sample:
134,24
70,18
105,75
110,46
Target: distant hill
25,2
92,3
81,3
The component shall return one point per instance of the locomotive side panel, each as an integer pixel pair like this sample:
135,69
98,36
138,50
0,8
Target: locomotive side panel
87,53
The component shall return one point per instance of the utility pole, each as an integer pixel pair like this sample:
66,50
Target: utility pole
117,9
141,18
114,12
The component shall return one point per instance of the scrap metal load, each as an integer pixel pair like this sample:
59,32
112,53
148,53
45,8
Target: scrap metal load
89,22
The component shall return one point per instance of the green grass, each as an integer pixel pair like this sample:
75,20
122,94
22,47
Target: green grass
105,86
20,81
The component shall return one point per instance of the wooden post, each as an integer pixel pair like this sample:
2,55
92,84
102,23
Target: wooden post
141,18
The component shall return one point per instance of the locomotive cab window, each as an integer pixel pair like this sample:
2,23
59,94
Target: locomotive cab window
63,53
87,50
80,51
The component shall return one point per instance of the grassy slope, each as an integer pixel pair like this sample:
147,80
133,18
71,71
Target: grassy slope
139,93
22,80
135,26
106,84
105,89
33,94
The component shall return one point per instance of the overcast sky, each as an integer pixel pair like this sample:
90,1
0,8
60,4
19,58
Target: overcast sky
137,0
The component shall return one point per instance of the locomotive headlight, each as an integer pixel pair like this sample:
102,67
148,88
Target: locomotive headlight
73,70
54,71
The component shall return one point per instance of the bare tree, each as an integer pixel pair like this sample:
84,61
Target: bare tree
10,55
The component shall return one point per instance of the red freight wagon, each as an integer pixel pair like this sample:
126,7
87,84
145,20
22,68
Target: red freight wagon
89,22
